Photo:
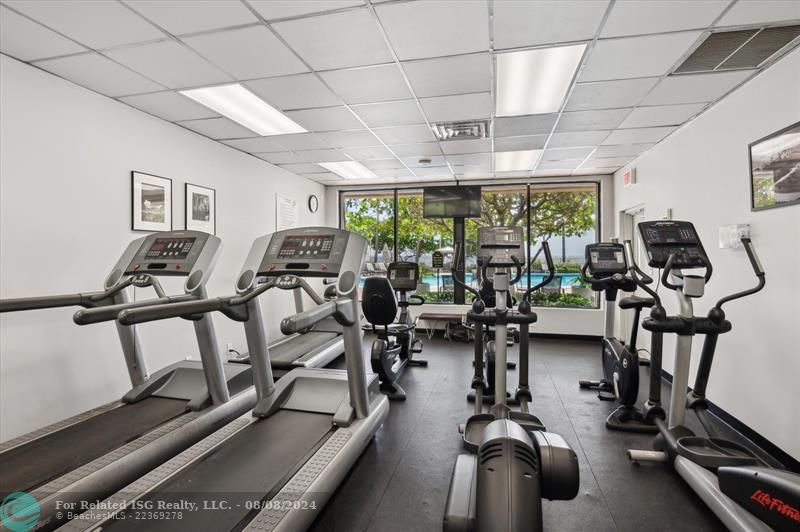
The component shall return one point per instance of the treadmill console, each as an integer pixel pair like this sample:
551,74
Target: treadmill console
168,253
403,275
663,238
501,243
606,259
306,252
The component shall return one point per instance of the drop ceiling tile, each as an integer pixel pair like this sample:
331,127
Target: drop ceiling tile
247,53
393,172
350,139
95,72
188,16
303,168
746,12
465,74
91,23
170,64
367,85
256,145
577,121
638,136
401,113
661,115
512,174
473,171
274,9
435,27
374,152
583,170
609,94
412,150
303,91
170,106
637,57
471,159
322,156
217,128
544,22
607,162
27,41
583,138
621,150
322,42
634,17
524,125
405,134
282,157
326,119
383,164
688,88
570,164
323,177
300,141
562,154
433,171
457,108
466,146
526,142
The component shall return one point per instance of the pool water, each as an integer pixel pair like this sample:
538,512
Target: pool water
566,279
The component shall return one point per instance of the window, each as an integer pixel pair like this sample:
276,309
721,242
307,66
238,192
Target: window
564,214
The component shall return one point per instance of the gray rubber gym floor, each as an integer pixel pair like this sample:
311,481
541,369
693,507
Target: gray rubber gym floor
402,479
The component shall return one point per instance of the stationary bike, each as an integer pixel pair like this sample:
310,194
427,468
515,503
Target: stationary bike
396,342
606,270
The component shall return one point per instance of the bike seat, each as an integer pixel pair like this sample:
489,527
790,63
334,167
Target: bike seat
636,302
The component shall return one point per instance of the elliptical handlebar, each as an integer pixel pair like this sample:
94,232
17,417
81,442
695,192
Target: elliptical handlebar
757,269
457,280
419,298
641,278
668,270
551,272
517,266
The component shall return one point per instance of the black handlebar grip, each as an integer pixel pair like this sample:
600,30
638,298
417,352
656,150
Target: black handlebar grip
548,256
35,303
751,254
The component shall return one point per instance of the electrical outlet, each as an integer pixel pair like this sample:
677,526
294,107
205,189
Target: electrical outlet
730,236
667,214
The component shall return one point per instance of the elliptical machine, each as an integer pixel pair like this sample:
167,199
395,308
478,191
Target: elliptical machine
607,268
396,342
513,463
744,491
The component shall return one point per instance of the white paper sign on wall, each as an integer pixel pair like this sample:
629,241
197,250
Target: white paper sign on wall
629,177
287,212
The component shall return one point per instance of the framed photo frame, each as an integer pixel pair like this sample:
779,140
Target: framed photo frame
151,202
775,169
201,209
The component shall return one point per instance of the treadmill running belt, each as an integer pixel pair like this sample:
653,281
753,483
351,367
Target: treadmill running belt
285,353
256,461
33,464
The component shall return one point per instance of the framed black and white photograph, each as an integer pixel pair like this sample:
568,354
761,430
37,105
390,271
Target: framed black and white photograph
775,169
152,202
201,209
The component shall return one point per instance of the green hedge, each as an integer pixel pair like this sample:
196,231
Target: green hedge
561,300
439,297
561,267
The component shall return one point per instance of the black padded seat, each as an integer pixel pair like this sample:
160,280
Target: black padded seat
378,301
636,302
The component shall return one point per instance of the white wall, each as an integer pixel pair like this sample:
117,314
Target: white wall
66,155
701,173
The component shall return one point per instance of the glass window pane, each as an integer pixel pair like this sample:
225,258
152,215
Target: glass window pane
418,238
566,216
371,215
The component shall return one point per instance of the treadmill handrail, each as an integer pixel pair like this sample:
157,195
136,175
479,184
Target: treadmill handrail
340,309
82,299
111,312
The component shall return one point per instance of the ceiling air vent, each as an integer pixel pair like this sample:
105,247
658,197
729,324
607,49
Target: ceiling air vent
474,129
730,50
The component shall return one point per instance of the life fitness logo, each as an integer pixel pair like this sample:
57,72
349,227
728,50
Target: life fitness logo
776,505
19,512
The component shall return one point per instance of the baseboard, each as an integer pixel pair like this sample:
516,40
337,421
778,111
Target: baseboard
770,448
551,336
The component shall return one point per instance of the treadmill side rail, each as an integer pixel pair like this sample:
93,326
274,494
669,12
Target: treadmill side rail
460,512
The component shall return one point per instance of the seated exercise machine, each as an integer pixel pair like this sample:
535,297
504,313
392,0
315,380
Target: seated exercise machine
512,462
606,270
744,491
95,453
396,343
277,466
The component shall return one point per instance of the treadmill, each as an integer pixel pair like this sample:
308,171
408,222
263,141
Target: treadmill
96,453
275,468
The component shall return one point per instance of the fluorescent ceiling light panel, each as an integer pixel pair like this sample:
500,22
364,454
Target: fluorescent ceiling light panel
534,82
245,108
349,170
509,161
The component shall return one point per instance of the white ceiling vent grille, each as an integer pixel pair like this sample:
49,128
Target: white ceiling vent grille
474,129
740,49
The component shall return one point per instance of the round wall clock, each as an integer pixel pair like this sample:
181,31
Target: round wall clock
313,203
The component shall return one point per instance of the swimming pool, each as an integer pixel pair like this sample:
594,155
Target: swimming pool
566,279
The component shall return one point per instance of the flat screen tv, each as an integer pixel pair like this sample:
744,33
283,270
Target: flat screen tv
451,202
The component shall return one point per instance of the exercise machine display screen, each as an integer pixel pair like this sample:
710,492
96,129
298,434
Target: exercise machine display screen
664,238
501,243
310,247
606,259
403,276
170,248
